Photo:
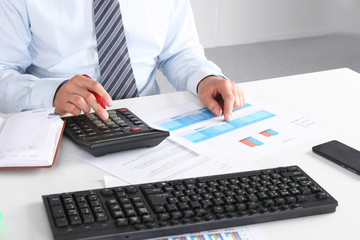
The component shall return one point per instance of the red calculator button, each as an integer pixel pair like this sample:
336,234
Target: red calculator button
136,129
122,110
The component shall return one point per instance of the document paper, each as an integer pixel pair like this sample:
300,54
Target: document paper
201,144
257,130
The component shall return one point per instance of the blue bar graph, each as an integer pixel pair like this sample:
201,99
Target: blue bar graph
182,121
207,133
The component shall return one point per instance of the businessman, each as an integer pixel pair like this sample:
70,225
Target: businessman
49,47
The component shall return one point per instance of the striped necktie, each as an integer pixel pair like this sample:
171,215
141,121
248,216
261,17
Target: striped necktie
116,74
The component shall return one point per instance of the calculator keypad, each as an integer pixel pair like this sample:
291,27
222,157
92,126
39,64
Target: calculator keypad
120,121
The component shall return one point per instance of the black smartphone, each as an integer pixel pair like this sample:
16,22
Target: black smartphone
341,154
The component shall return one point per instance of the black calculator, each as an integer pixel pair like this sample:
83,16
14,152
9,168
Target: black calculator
123,130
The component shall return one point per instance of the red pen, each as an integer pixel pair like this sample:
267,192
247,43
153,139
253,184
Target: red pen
98,98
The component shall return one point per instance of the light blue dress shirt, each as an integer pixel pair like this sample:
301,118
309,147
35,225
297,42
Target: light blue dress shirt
44,42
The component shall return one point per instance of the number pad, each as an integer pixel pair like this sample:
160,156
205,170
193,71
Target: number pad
121,121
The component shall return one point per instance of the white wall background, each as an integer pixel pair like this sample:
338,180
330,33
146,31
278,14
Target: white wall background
231,22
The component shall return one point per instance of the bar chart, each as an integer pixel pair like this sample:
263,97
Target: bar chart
269,133
254,141
251,142
204,133
190,118
242,234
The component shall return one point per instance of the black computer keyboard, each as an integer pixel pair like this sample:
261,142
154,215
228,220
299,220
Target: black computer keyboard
189,205
122,131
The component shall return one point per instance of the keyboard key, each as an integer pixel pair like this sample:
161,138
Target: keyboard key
88,218
61,222
159,199
100,217
75,220
54,200
58,211
121,222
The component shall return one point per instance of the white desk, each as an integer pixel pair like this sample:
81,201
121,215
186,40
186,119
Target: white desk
331,97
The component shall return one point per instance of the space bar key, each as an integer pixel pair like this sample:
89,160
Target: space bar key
159,198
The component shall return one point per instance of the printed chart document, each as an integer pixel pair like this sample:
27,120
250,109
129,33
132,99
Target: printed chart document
252,232
201,144
257,130
30,139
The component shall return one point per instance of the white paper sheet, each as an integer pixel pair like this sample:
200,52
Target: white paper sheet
168,160
269,129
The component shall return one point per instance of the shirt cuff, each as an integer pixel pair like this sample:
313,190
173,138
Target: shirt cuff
42,96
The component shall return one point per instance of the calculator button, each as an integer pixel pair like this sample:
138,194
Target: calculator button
119,121
71,125
92,116
99,125
133,119
136,129
122,110
96,121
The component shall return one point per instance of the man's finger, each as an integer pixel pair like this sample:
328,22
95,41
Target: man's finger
68,108
95,87
242,97
212,105
79,102
229,100
237,101
91,100
103,99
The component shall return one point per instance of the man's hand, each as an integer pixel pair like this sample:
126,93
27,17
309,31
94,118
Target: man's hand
75,96
220,96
